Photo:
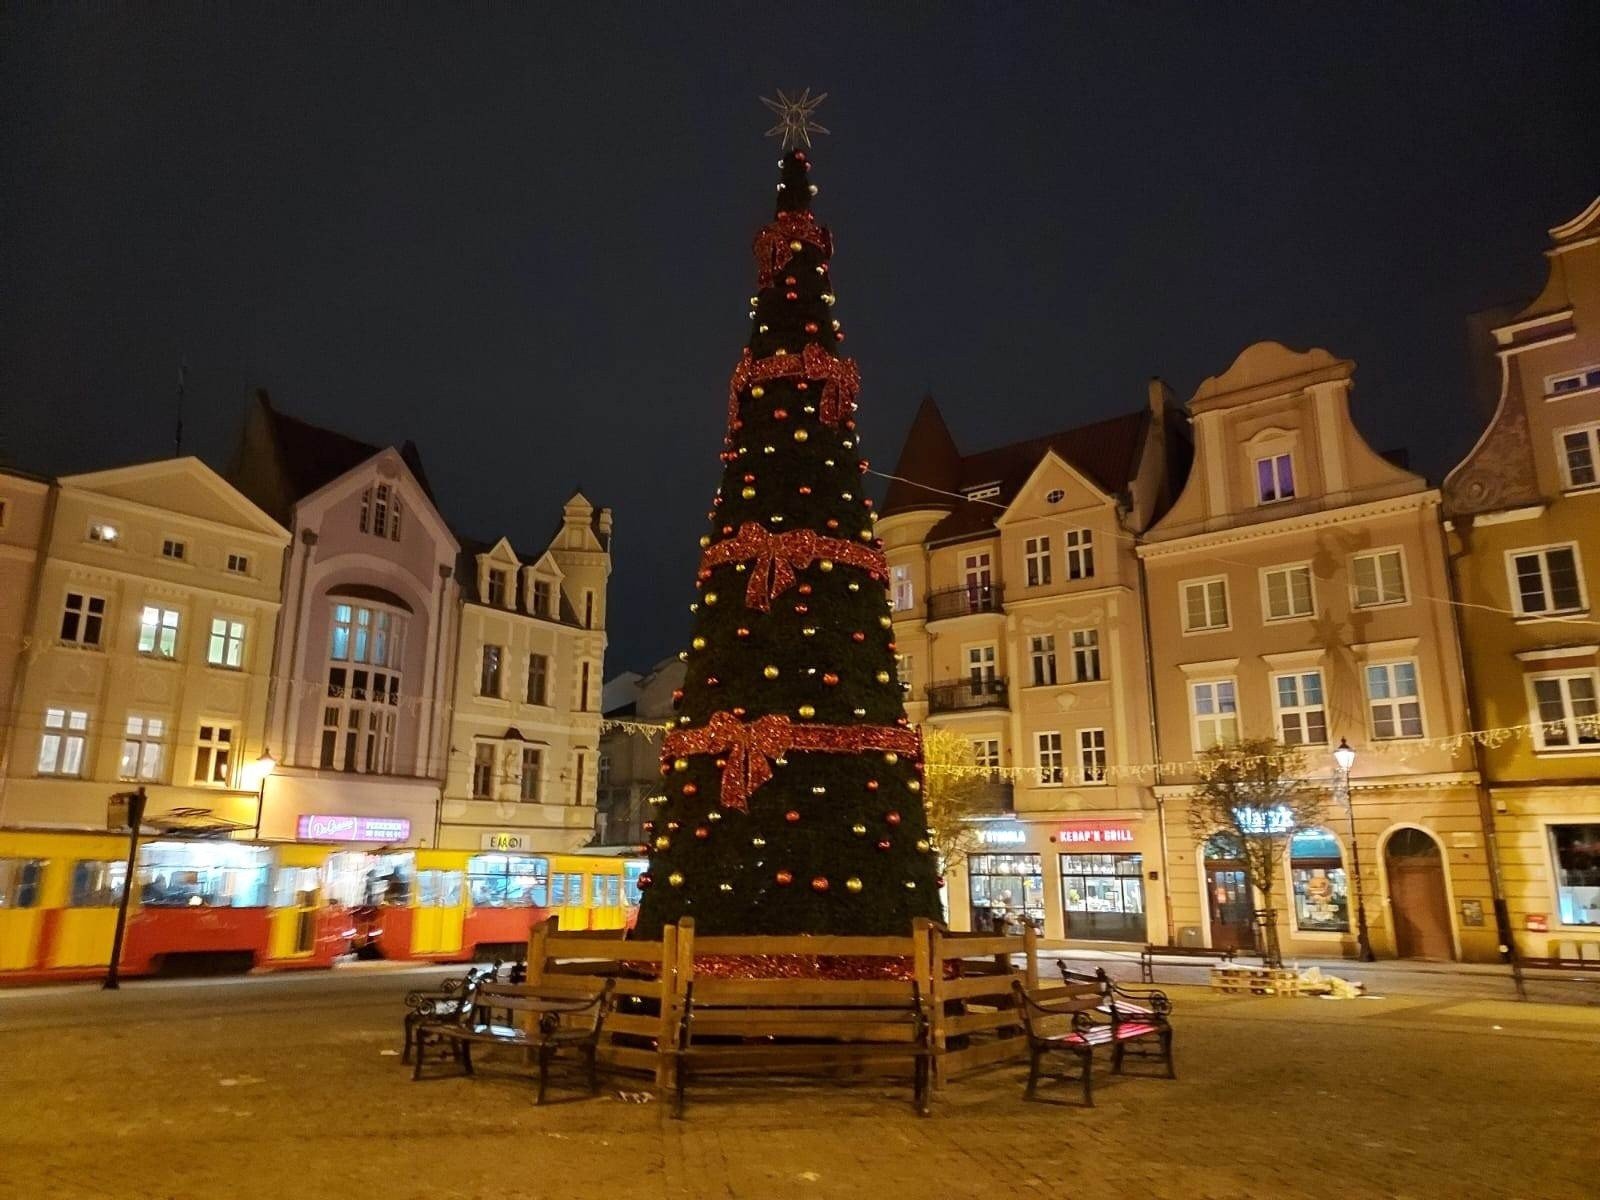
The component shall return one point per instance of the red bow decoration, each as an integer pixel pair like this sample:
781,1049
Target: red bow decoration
772,243
841,379
748,748
777,556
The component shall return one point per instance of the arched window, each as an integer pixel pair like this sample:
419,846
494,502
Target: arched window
366,646
1321,887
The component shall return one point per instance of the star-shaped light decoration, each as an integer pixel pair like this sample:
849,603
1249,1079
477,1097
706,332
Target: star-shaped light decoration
795,125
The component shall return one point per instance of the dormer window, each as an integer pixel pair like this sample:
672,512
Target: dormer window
1274,478
542,595
987,491
1580,380
380,512
497,588
103,531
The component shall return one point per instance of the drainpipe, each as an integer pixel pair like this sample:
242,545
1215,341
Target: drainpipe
1502,912
1155,746
445,610
308,540
35,593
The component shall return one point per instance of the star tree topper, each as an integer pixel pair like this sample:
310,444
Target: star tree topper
795,125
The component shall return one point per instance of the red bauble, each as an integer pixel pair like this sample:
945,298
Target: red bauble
833,522
789,281
839,336
742,632
780,414
739,711
872,785
892,817
784,878
702,832
791,295
819,884
858,636
791,816
801,609
690,789
885,844
749,478
805,489
830,679
677,695
646,880
712,681
811,326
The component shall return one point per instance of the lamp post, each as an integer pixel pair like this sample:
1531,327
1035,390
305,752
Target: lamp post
262,767
1346,758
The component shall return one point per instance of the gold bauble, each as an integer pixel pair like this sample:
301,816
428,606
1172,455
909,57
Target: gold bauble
724,887
757,392
865,535
914,785
676,879
859,829
809,631
770,671
911,885
795,246
705,540
854,586
922,844
699,643
800,435
852,884
886,622
663,842
711,597
825,565
758,842
891,758
749,493
882,677
806,711
680,764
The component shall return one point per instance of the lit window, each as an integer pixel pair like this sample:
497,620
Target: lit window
1573,381
82,619
158,631
103,531
1379,579
1205,605
1215,709
1547,581
1047,757
483,771
986,753
1393,700
532,761
1321,890
174,549
143,749
1036,557
1580,452
380,512
489,671
238,564
213,755
226,648
1274,478
1080,553
538,679
1042,657
1565,711
61,747
1302,719
1288,592
902,590
1085,655
497,588
1576,849
1092,755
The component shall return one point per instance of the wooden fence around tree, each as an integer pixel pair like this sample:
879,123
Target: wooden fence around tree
965,981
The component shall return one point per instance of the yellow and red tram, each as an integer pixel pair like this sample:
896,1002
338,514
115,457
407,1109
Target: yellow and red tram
221,904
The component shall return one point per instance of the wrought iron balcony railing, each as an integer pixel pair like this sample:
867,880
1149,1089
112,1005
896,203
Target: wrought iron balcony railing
963,601
956,695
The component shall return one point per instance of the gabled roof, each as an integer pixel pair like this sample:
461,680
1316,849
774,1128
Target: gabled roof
1104,452
312,457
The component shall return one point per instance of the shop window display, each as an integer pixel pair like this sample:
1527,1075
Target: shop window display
1103,896
1007,890
1577,854
1321,887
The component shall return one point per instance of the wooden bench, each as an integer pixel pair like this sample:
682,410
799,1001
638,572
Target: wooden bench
1097,1012
443,1003
1147,957
788,1026
541,1019
1131,1006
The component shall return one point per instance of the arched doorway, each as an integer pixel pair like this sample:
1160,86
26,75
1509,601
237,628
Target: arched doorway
1418,903
1228,896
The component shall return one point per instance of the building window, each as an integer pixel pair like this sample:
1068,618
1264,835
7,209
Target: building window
143,749
1379,579
1288,592
380,512
1048,758
1566,716
226,648
902,672
489,672
82,619
158,631
1036,556
1274,478
1580,451
577,784
5,510
213,755
602,769
1092,755
538,679
365,648
365,635
1547,580
1007,891
986,491
1321,890
238,564
541,597
61,748
583,688
1205,605
1042,656
1393,700
174,549
588,610
497,588
103,531
1576,849
1080,554
986,753
1215,708
1302,719
483,770
903,591
532,762
982,670
1085,655
1102,896
1573,381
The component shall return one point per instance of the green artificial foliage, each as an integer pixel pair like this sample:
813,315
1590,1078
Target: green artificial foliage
824,819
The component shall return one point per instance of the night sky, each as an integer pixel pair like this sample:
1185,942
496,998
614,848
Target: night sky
520,235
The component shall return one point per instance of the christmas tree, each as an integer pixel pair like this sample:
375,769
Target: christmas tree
792,781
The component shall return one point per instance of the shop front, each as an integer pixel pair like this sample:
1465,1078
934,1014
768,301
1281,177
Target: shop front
1006,891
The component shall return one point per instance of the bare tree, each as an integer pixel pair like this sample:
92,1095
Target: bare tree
1253,797
954,791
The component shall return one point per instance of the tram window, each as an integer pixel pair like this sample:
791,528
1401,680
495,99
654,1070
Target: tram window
438,889
558,889
613,891
204,875
630,881
575,889
597,891
19,882
296,887
97,884
507,881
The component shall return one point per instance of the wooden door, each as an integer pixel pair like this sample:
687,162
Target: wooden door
1418,902
1228,897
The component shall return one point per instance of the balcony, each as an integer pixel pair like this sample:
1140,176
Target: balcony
964,601
962,695
992,797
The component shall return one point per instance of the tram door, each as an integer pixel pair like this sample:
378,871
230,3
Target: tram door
21,914
439,913
296,901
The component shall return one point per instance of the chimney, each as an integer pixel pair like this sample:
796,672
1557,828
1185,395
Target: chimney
603,523
1161,397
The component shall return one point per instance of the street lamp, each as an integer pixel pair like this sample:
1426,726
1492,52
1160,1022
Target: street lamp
1346,758
261,768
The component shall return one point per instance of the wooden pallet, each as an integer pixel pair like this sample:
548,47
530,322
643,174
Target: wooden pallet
1259,981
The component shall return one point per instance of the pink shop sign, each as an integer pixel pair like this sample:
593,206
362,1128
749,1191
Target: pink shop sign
315,827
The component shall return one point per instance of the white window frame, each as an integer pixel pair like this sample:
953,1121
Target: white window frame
1377,576
1216,717
1394,701
1079,546
491,685
1036,561
496,585
174,549
1085,651
987,491
1206,583
543,599
166,619
1048,758
238,563
903,589
530,781
1093,760
1582,374
86,599
986,752
1287,570
1042,660
1570,721
232,641
543,674
485,763
209,745
1301,710
1274,457
1543,552
1591,437
64,740
143,734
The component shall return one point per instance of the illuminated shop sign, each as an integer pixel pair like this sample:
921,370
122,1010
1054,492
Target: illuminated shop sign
1004,836
1094,834
317,827
1264,821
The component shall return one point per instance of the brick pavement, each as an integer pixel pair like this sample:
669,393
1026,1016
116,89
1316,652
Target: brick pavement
270,1089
